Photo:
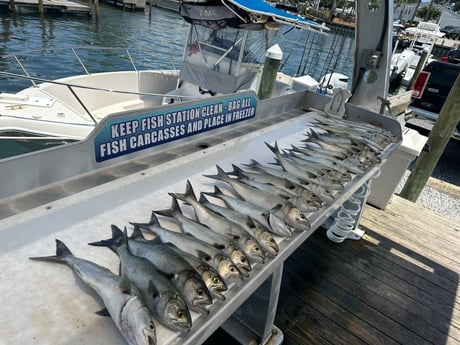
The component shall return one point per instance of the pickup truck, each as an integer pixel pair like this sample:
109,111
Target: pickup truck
430,92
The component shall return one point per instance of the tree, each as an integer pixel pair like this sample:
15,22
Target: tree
429,13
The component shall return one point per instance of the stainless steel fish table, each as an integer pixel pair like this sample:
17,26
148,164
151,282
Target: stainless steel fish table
69,195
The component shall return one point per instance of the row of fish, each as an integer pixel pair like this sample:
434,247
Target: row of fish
166,272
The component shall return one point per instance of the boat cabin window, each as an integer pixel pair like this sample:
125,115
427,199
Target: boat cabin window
223,60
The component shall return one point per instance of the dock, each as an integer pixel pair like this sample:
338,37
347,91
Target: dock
398,285
65,6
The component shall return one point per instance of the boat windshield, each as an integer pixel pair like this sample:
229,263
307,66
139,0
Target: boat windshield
226,59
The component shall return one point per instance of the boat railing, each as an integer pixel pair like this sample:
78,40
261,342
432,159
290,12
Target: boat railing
76,60
134,60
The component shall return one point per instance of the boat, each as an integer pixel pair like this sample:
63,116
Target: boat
418,40
216,61
154,142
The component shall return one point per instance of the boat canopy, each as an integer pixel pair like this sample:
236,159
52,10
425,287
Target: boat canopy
247,14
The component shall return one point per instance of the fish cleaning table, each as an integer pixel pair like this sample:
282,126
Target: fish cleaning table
47,304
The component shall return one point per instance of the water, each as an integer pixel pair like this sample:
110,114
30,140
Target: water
158,38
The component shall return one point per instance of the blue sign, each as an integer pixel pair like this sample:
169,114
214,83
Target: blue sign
130,134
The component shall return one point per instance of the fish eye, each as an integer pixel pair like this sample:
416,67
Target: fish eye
152,326
302,216
243,259
232,269
256,248
180,314
200,292
272,240
216,280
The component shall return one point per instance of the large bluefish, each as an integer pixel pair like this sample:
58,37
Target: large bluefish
129,312
183,275
159,293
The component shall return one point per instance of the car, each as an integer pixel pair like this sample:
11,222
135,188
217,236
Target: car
430,91
453,56
451,31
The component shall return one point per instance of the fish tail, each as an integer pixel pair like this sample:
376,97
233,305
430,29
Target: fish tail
137,234
311,136
274,149
217,192
62,252
237,171
171,212
203,198
148,226
115,241
189,193
221,174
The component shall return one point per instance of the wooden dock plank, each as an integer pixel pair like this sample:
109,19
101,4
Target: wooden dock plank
397,305
62,5
439,300
399,284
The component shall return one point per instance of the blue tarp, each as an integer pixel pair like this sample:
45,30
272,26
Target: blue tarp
263,8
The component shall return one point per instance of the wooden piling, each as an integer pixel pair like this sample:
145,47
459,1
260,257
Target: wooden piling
96,8
271,66
418,68
41,9
437,140
12,6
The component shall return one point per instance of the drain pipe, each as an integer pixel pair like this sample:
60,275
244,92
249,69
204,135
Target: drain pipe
272,63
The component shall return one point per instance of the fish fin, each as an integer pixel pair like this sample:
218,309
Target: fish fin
124,284
189,190
221,174
113,242
218,246
216,193
137,234
276,208
274,149
203,256
250,223
152,290
61,253
103,312
172,211
237,171
152,223
203,200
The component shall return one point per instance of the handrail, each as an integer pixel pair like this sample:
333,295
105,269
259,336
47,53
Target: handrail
23,68
80,61
42,80
123,54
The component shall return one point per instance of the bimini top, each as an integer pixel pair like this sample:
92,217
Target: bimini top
248,14
262,8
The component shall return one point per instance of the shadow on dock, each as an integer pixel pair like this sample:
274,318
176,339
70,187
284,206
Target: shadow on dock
397,285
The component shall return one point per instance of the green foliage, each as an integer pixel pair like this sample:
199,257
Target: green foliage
428,13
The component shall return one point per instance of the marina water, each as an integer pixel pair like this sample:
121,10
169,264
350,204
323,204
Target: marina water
158,38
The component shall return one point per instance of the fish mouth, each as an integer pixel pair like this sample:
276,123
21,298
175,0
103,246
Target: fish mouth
272,251
199,307
244,270
258,258
217,293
